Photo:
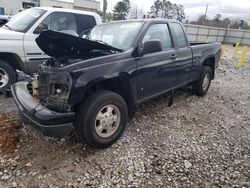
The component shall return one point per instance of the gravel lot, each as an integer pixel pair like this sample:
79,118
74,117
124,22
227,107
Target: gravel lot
198,142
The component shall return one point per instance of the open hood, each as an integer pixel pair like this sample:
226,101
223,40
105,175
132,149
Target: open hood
57,44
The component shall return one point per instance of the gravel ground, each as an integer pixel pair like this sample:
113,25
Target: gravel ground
198,142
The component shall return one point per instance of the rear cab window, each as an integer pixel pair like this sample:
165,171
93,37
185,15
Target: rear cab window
181,39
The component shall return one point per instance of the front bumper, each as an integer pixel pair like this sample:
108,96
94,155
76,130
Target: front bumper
49,122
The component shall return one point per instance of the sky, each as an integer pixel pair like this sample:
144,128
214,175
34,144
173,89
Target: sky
236,9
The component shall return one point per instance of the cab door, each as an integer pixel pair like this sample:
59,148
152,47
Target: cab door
156,71
184,57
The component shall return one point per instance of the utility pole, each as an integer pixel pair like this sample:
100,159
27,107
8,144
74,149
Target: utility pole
105,5
205,16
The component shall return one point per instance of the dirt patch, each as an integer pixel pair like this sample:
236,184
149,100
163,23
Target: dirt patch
9,126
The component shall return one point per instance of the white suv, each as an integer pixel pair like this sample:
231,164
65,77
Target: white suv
18,49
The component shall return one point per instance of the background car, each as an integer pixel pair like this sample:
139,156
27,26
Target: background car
18,49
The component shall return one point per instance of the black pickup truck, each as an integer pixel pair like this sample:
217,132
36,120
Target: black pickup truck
91,84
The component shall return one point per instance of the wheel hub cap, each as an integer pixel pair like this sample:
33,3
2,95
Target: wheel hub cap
206,82
4,78
107,121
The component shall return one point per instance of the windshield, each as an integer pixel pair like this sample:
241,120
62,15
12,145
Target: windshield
24,20
120,35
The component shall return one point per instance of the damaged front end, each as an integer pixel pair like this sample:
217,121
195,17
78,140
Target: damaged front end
52,87
43,103
41,114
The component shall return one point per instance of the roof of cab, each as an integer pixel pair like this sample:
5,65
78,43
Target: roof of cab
66,10
148,20
52,9
151,20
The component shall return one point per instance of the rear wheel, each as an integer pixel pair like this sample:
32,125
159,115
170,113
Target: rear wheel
8,75
101,119
200,87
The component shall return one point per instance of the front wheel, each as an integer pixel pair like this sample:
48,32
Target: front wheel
101,119
200,87
8,75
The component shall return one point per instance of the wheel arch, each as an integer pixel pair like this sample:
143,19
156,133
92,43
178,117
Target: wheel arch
13,59
210,62
119,84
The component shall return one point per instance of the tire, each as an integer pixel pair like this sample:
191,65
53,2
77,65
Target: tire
95,113
8,75
200,87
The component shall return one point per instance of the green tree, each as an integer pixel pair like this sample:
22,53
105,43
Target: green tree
165,9
201,19
156,8
121,10
179,13
217,18
226,22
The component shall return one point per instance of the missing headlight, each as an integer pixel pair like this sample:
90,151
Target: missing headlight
54,89
59,91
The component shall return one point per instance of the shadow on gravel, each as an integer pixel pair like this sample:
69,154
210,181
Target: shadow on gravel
10,126
148,107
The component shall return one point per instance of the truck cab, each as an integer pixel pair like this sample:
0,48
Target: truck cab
18,49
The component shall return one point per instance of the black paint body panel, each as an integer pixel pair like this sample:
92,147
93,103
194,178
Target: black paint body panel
147,75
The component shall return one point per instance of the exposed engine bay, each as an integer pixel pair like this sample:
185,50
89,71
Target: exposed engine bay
51,86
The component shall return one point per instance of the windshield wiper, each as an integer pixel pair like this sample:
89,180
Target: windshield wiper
100,41
7,26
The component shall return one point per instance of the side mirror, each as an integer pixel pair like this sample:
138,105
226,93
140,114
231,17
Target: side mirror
151,46
41,27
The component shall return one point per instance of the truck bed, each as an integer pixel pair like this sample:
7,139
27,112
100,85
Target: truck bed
203,50
200,43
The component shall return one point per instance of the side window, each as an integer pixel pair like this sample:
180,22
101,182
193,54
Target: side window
84,22
180,35
59,21
160,32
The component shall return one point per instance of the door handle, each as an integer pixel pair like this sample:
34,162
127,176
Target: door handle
137,58
173,56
